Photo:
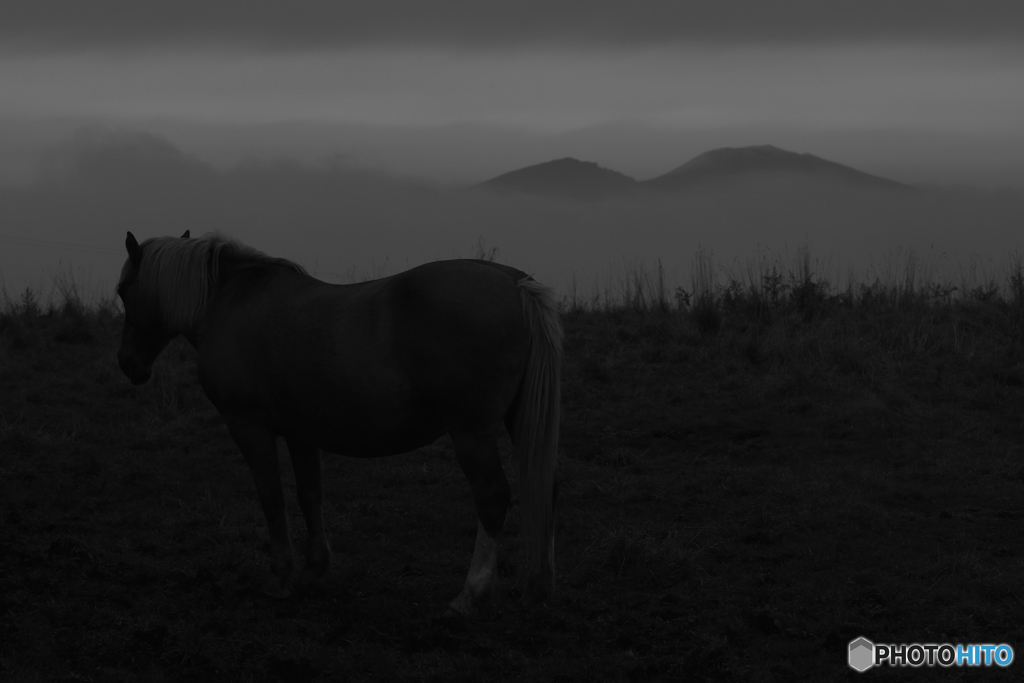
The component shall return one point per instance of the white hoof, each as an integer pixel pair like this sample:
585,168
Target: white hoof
462,606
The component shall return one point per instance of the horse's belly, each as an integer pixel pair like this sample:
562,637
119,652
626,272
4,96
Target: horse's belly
365,426
365,446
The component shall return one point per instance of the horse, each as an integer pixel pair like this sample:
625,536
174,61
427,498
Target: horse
464,347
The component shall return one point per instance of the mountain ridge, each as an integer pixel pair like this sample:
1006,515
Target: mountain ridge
575,179
567,176
726,162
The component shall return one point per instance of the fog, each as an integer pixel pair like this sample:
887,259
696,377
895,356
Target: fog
464,154
346,223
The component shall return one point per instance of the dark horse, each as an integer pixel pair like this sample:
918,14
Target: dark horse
379,368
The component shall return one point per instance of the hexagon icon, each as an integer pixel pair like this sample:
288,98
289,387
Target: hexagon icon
862,654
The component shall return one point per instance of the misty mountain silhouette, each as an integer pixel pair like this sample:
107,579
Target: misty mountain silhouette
126,161
749,162
566,177
574,179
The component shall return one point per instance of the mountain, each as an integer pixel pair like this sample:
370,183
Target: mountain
734,168
566,177
762,162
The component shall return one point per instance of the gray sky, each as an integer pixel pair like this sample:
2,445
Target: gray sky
933,90
473,24
458,92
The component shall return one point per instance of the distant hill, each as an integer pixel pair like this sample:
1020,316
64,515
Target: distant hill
566,177
750,163
751,166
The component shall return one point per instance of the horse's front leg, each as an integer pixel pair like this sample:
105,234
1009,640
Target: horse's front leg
309,482
259,446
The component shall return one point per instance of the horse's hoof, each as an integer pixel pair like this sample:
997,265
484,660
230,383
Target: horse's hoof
308,576
535,602
538,591
318,561
465,607
461,606
278,588
452,614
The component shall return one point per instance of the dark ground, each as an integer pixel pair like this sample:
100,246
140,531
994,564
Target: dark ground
742,494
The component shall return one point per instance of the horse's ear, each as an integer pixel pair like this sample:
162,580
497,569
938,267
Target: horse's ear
185,235
134,252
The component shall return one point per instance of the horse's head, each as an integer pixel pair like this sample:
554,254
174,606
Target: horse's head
144,335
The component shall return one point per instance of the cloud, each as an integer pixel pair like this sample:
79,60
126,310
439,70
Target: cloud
933,87
48,24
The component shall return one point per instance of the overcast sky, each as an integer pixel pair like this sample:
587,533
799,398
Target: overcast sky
929,91
473,25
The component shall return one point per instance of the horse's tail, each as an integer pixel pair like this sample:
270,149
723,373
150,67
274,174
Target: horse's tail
536,434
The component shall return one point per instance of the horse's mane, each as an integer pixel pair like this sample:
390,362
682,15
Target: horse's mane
177,276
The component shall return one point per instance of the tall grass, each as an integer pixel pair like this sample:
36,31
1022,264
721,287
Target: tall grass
770,282
801,313
704,292
70,309
763,290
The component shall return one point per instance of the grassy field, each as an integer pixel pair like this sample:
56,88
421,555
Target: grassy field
751,476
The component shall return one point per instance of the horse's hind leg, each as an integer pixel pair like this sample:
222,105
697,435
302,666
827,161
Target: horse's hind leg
479,459
260,450
308,481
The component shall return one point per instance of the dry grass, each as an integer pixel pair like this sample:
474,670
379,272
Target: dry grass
745,487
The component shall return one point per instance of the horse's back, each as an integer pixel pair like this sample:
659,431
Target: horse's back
437,347
463,292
